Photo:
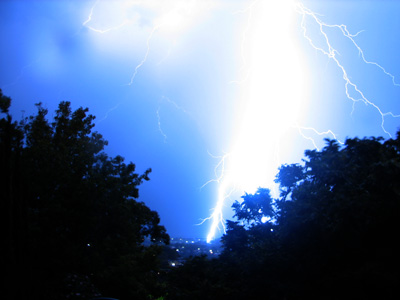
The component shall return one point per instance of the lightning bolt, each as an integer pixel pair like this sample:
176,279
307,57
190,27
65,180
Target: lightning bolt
233,173
108,112
102,31
145,55
89,18
272,88
329,132
216,217
332,53
125,22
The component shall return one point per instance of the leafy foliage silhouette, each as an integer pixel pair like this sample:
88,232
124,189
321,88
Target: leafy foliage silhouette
75,229
73,214
331,234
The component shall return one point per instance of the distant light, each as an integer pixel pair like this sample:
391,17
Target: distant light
265,219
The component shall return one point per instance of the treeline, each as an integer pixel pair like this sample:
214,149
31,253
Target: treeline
332,233
74,228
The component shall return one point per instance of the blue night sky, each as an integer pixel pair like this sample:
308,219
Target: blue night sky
212,95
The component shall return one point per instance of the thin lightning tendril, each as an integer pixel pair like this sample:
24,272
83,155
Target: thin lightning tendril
159,125
176,106
102,31
332,54
125,22
328,132
145,56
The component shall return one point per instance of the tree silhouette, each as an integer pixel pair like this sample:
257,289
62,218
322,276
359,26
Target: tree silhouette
80,209
331,233
13,205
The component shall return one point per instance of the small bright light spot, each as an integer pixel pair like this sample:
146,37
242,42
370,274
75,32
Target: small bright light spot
265,219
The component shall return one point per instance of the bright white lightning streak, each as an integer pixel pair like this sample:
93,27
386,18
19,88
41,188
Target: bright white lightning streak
272,109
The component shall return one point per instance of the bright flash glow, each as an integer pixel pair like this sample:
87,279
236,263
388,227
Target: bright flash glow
274,92
169,17
273,82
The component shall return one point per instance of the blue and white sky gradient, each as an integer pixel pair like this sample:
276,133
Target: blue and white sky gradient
213,95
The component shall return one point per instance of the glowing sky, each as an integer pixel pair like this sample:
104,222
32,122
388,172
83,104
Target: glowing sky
196,88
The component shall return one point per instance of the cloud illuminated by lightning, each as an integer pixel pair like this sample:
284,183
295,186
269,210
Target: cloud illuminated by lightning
171,17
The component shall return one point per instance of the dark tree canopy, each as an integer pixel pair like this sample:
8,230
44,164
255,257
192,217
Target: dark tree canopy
73,213
75,227
332,233
254,207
